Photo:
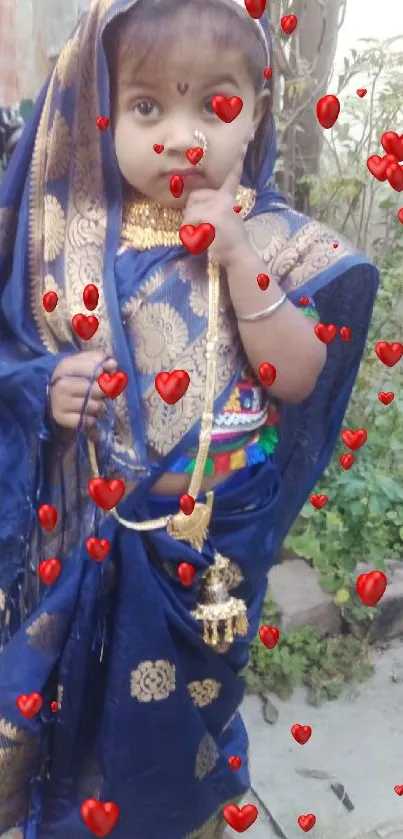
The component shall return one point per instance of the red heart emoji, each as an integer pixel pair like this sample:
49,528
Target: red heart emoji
47,516
29,704
172,386
400,215
398,789
386,397
371,587
54,707
100,818
318,501
326,332
91,297
85,326
227,108
288,23
354,439
263,281
269,636
268,72
242,819
304,301
393,144
102,123
186,573
176,186
301,733
394,174
237,208
307,822
197,239
98,549
158,148
335,245
113,384
255,8
345,333
106,494
389,354
235,762
362,91
347,460
195,155
187,504
378,165
327,110
49,570
267,373
49,301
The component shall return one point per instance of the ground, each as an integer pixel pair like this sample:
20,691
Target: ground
357,742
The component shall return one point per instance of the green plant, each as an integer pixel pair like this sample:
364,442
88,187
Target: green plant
324,666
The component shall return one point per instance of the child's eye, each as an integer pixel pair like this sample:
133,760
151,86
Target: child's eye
145,108
208,106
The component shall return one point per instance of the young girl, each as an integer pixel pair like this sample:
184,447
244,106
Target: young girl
125,625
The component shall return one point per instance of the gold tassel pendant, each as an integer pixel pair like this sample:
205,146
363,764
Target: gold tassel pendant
223,617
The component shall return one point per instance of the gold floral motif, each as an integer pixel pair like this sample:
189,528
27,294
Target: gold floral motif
2,600
151,285
54,228
267,234
46,633
161,337
18,759
59,148
8,227
153,681
206,757
205,692
67,63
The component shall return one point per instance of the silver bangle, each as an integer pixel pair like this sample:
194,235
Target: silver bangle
267,313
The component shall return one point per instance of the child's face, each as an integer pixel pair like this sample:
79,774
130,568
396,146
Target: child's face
166,106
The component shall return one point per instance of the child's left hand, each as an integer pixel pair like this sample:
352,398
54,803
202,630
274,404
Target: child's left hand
216,206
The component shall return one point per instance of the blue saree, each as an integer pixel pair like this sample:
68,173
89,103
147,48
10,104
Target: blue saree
147,711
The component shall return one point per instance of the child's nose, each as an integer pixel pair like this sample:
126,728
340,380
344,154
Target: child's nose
180,137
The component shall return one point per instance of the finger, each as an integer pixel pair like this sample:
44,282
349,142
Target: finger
73,387
76,406
86,364
233,178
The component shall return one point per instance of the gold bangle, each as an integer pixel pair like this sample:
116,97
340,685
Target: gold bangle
266,313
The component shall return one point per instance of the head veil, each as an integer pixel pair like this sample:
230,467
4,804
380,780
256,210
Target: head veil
61,206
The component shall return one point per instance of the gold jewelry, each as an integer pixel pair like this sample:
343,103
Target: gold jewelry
267,313
201,140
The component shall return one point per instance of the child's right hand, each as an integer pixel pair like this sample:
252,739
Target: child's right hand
69,387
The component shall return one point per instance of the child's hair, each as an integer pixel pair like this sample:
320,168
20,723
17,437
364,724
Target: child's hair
141,34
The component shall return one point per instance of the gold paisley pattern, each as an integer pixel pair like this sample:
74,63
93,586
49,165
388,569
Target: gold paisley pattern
59,145
59,321
46,633
162,335
8,228
153,681
205,692
55,228
18,759
206,757
66,65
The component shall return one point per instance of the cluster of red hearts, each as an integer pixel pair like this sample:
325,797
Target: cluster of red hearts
389,168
